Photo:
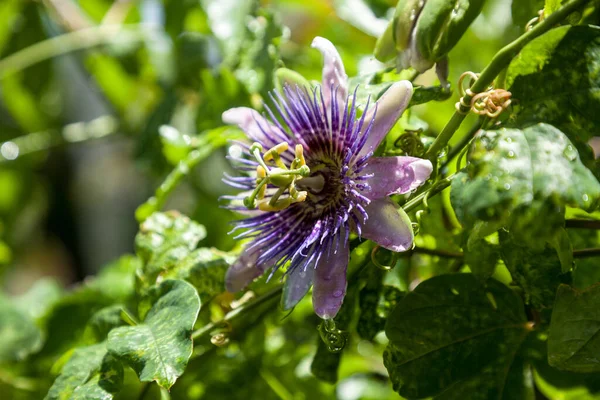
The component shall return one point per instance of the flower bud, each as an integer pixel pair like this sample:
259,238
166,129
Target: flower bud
422,32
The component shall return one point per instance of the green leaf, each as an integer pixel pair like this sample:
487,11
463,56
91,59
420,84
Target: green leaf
574,337
116,279
66,320
164,240
260,55
564,385
227,20
205,269
19,336
40,298
425,94
176,145
370,322
102,322
532,168
454,337
568,58
90,373
564,249
481,257
159,348
539,273
523,11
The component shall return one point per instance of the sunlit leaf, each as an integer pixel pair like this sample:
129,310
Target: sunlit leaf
566,57
19,336
164,240
90,373
158,348
205,269
508,170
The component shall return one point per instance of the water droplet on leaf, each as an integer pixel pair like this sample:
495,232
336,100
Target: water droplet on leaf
570,153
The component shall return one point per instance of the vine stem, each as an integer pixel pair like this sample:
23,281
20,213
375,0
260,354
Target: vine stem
582,223
498,63
237,312
437,252
203,147
432,191
583,253
70,42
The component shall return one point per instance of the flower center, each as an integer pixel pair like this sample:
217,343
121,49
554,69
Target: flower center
325,187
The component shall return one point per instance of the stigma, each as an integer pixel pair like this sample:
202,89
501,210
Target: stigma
271,170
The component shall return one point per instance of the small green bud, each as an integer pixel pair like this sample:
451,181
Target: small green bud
304,170
256,146
250,202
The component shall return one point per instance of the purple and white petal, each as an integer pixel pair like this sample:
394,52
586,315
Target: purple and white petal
388,225
334,75
388,109
395,175
258,128
329,286
296,285
243,271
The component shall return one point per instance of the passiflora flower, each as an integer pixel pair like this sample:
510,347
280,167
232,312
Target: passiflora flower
314,180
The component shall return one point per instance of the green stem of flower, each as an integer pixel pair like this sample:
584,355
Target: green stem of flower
464,141
437,252
582,223
498,63
432,191
70,42
583,253
236,313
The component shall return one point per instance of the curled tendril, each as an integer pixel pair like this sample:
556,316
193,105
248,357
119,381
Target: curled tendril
534,21
490,103
380,265
419,214
221,337
410,142
334,338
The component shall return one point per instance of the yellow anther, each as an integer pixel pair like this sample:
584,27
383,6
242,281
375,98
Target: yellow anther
277,206
260,175
275,150
300,154
301,196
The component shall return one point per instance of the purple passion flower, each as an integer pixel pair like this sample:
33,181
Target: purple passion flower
314,180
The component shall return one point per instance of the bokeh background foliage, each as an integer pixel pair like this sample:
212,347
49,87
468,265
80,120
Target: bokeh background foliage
110,114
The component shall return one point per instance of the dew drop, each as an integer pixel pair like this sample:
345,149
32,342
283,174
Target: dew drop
338,293
511,154
508,140
570,153
585,197
507,186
